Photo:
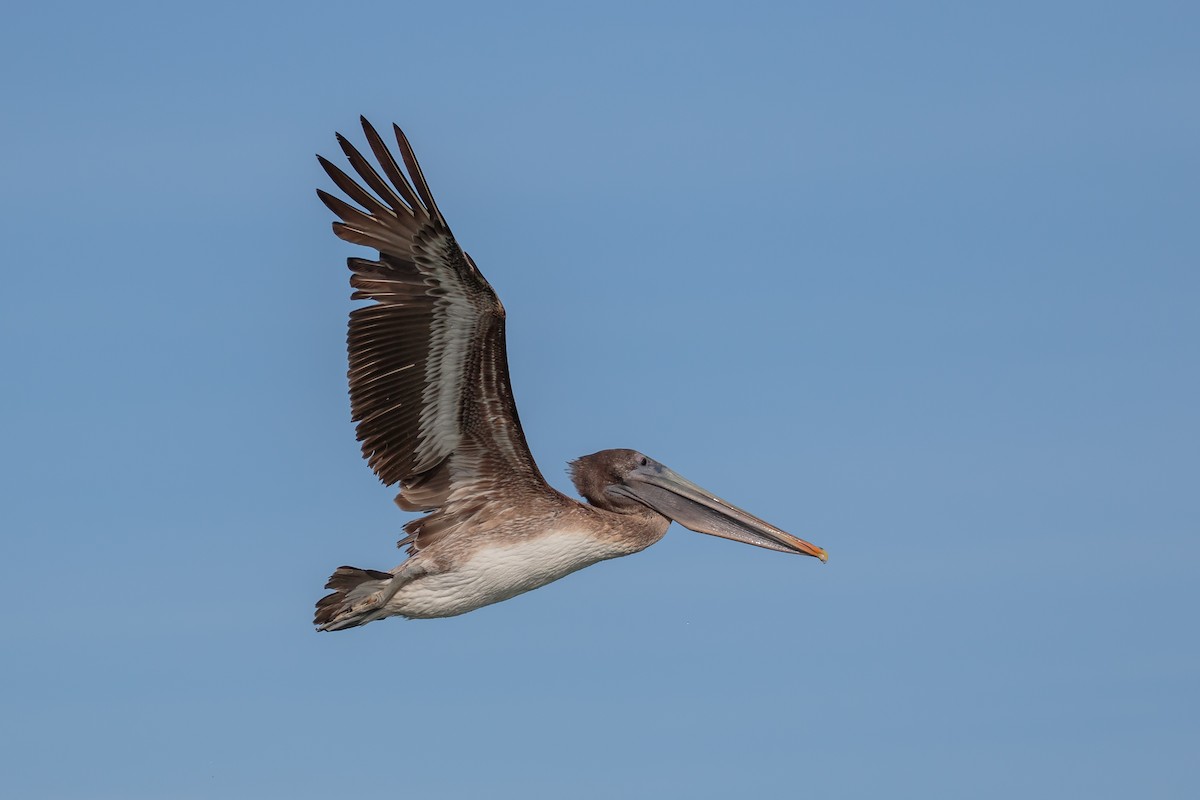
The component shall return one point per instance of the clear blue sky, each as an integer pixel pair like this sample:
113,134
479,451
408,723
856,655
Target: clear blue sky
919,284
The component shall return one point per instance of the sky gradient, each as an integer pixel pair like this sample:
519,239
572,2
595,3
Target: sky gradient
920,285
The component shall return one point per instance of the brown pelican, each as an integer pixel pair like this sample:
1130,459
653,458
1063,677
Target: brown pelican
430,392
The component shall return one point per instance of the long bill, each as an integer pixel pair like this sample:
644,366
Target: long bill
697,509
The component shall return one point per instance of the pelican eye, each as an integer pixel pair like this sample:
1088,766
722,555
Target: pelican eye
643,461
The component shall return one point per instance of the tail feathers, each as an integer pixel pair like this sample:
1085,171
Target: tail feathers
355,599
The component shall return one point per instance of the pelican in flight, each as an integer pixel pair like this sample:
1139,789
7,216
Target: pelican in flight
430,394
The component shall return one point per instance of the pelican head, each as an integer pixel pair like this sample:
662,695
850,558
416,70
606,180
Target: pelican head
627,482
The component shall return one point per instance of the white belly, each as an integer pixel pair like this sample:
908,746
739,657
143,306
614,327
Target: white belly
498,572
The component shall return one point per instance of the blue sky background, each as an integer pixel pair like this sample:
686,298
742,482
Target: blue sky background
920,284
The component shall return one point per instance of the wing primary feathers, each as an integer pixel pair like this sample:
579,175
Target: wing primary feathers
376,230
388,162
378,271
353,235
352,189
354,217
414,169
368,174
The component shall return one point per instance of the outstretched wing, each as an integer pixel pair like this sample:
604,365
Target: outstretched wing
429,384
